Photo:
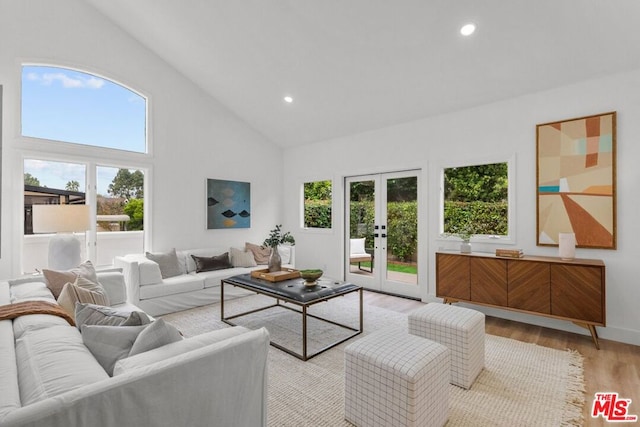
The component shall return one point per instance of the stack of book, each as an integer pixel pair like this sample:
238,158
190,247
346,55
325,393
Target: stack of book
511,253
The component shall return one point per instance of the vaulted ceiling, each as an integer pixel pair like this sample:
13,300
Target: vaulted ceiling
357,65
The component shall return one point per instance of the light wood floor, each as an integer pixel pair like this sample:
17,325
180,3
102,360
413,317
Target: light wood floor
613,368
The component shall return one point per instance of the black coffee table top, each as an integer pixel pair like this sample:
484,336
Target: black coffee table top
295,289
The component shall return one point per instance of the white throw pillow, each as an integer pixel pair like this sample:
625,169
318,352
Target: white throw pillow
357,246
242,258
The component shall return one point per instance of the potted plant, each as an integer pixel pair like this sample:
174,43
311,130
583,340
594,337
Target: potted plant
277,237
465,235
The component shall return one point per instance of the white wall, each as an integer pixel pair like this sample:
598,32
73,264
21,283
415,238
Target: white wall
491,132
193,137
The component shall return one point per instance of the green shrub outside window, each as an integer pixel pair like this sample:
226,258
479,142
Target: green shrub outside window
476,199
317,204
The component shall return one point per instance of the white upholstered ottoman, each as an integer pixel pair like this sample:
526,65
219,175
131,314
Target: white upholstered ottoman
461,330
396,379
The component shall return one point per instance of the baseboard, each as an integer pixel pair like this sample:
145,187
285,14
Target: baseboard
627,336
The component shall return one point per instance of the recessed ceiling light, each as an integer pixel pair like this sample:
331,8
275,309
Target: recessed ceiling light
468,29
288,99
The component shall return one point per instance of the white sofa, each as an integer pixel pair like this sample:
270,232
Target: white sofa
49,378
157,296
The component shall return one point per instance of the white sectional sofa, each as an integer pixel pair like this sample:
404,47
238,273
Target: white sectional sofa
157,296
48,377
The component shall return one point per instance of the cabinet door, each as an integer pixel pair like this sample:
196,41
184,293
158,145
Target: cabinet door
577,292
452,276
529,286
488,281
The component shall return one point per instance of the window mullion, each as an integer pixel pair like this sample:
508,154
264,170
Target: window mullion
91,196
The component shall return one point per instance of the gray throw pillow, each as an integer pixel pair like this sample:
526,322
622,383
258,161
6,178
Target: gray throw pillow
168,263
92,314
108,344
155,335
217,262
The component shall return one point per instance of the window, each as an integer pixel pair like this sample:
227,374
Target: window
119,200
119,212
66,105
66,108
317,204
51,183
476,200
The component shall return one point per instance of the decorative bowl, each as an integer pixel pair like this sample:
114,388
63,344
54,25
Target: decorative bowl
310,276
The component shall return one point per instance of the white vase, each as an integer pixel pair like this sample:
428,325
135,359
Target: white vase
567,245
275,261
465,247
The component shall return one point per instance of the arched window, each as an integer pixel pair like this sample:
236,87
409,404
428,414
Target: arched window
64,108
61,104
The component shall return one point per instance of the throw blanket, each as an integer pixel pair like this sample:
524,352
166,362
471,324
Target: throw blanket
11,311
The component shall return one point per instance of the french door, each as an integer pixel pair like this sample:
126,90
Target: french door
381,232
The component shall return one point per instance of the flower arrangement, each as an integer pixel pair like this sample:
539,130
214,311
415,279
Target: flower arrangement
277,237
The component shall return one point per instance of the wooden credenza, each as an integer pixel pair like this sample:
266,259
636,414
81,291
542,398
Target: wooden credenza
548,286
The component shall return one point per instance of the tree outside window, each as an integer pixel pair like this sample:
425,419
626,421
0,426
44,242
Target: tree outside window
124,196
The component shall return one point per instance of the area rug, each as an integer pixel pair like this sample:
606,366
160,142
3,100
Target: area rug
522,384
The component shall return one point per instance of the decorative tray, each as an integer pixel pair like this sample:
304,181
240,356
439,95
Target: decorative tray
276,276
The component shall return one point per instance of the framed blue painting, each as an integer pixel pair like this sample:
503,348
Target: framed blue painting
228,204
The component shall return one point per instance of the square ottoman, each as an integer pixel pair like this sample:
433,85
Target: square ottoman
396,379
461,330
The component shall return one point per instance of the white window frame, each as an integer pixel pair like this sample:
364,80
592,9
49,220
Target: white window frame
96,74
510,238
91,165
301,206
92,156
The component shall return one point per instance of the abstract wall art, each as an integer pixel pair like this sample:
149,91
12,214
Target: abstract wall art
228,204
576,181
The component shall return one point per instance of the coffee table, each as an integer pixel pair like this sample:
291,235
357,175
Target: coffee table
294,292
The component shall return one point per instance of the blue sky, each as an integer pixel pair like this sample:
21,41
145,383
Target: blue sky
67,105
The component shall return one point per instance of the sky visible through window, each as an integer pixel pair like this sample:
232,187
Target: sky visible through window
66,105
57,174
